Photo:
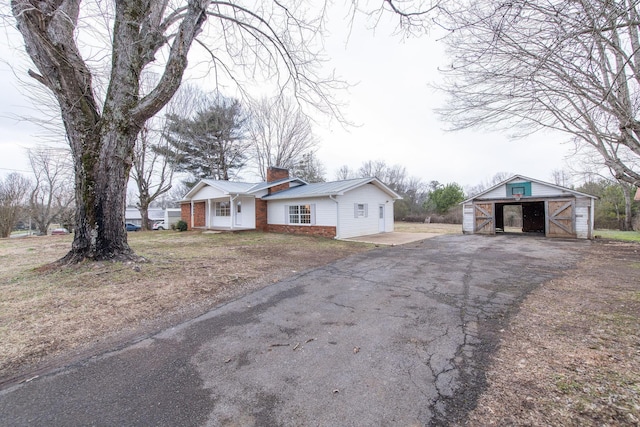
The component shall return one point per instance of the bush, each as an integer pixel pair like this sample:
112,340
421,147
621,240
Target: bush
181,226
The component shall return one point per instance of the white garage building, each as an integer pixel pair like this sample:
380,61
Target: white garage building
547,209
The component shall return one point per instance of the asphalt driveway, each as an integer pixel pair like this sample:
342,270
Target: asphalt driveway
395,336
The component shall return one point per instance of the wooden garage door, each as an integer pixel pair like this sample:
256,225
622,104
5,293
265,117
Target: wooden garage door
560,218
484,218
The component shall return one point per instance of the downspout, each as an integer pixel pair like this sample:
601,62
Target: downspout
337,216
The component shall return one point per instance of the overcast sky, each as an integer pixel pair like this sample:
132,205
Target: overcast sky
391,103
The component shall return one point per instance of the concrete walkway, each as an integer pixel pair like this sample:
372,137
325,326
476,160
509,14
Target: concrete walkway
396,336
394,238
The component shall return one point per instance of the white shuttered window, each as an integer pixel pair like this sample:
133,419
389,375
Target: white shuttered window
360,210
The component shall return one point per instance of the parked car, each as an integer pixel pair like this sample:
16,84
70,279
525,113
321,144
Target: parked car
132,227
159,225
59,231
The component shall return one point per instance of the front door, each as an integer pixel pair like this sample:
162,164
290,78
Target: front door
381,224
239,213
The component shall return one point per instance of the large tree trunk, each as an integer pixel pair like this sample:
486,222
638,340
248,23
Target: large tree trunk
102,137
101,198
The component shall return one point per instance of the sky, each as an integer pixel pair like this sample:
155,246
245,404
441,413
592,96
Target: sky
391,102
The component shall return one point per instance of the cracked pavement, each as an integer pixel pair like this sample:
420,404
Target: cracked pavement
394,336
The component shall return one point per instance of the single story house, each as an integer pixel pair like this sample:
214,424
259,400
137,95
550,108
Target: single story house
339,209
547,209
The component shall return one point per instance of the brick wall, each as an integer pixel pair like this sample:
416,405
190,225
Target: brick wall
185,214
199,210
261,215
308,230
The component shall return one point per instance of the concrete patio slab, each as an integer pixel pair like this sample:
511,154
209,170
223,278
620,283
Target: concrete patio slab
392,239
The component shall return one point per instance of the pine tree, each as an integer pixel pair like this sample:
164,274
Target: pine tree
212,143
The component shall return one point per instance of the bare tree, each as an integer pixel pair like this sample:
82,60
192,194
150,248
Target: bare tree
267,39
151,171
52,193
568,65
561,177
394,176
344,172
280,133
13,193
486,184
309,168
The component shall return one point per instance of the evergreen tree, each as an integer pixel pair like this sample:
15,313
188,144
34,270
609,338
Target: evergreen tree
442,198
212,143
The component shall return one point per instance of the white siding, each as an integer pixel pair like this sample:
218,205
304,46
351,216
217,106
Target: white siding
468,218
372,196
541,190
583,218
325,210
208,192
248,212
496,193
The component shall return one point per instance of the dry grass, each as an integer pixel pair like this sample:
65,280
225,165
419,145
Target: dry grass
419,227
572,354
48,313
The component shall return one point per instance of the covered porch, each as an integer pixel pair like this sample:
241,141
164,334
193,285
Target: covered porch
233,212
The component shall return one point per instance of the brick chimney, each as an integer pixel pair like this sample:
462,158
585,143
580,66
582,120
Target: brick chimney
275,174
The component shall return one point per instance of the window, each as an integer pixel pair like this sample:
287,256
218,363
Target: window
360,210
299,214
223,209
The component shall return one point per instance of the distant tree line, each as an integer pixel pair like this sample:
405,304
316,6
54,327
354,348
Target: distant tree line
41,201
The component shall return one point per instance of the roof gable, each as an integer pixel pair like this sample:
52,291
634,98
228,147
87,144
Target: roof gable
522,178
232,187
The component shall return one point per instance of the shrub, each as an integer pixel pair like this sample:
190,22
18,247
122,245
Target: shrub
181,226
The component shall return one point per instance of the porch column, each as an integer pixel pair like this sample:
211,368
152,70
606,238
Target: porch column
207,214
232,211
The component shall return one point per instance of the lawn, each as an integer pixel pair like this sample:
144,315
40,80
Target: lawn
628,236
568,357
46,312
